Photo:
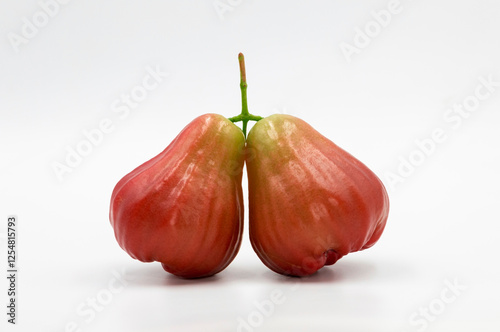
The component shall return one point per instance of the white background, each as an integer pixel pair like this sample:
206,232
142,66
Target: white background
70,73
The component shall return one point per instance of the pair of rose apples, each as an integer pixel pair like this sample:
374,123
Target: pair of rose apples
310,202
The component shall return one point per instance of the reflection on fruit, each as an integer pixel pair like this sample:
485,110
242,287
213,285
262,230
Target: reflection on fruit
310,202
184,207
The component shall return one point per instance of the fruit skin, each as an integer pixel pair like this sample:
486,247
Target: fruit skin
184,207
310,202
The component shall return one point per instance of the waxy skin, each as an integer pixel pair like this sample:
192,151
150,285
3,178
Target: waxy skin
184,207
310,202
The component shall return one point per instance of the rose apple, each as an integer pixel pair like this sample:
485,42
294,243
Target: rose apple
310,202
184,207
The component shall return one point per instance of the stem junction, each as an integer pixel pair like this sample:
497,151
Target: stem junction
244,116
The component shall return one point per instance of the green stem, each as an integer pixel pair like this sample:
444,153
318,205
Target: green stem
244,116
243,84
